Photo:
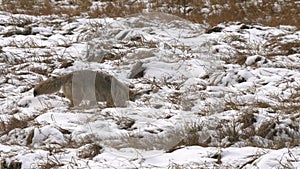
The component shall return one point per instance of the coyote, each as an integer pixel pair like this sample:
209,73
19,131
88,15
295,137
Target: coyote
86,85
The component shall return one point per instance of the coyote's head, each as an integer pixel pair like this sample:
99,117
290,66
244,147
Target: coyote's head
47,87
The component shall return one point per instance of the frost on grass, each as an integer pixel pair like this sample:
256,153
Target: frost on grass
227,98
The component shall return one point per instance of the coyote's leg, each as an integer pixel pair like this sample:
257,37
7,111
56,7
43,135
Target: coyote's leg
67,90
109,101
71,103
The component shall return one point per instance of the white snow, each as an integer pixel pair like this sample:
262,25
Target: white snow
220,100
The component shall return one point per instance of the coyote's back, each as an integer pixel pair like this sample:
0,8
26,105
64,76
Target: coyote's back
86,85
51,85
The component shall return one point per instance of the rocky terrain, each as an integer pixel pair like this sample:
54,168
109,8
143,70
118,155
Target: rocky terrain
218,97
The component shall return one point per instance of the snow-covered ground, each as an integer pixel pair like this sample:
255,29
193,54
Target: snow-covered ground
226,97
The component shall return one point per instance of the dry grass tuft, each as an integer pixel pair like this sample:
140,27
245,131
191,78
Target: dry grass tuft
117,9
50,162
12,123
47,7
272,13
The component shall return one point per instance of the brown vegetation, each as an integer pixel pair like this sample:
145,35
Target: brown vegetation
272,12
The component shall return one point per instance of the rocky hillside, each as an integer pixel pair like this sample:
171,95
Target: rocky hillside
217,97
